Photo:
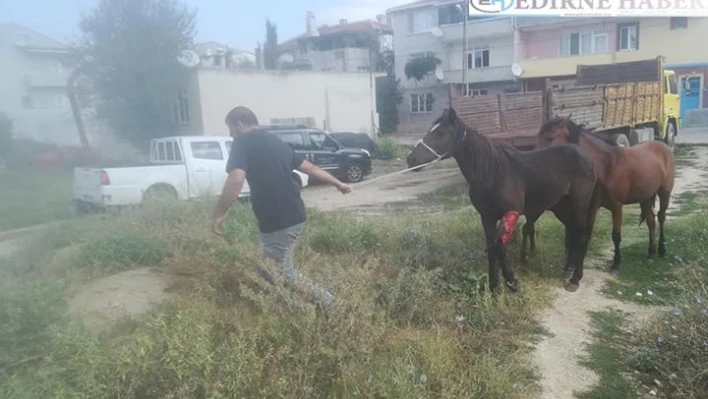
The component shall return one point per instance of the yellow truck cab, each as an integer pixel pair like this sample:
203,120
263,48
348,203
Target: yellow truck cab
672,108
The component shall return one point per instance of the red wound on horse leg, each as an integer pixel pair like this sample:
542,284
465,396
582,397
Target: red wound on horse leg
507,226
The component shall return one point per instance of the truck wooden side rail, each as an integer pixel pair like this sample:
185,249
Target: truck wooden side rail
512,118
629,102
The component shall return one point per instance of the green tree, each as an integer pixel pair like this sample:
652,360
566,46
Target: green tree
270,47
389,93
6,128
131,49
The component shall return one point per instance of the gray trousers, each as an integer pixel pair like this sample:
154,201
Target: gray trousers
279,246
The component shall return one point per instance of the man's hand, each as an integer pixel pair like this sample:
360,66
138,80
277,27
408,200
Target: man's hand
344,188
217,226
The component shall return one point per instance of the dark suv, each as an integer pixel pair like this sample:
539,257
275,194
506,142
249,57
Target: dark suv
318,147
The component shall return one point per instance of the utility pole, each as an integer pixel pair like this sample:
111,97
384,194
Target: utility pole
466,12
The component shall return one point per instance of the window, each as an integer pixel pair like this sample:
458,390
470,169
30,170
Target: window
421,103
580,43
322,141
478,57
628,37
181,108
167,151
450,14
471,91
293,139
207,150
679,23
673,87
420,21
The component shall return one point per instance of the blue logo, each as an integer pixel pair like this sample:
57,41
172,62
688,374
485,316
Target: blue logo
491,6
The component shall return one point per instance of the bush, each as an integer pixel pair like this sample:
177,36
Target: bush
390,148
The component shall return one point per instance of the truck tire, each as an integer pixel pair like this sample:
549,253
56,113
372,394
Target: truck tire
670,138
159,194
621,140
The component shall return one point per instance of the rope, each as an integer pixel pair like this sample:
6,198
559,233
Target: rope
367,182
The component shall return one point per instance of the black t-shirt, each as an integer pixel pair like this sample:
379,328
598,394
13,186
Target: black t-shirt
269,164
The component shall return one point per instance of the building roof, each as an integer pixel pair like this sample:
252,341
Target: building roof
349,27
420,3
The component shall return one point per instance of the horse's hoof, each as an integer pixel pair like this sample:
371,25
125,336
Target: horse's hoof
567,273
614,272
513,286
570,287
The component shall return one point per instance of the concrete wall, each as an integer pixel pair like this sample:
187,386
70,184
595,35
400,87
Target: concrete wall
547,43
340,60
279,94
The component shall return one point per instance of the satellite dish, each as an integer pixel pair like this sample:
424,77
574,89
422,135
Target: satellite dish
188,58
437,32
517,70
439,75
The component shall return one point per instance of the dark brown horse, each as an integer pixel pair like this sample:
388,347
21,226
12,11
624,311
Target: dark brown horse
505,183
630,175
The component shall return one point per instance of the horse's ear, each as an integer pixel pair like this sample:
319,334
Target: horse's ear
570,116
452,115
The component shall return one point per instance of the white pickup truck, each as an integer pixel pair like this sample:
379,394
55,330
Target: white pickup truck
181,168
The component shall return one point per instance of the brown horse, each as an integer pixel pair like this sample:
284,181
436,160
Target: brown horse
626,176
505,183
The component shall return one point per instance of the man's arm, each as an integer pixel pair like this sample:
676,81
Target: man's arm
229,195
318,173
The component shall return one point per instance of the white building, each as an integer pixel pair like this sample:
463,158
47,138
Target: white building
333,101
35,71
345,47
434,28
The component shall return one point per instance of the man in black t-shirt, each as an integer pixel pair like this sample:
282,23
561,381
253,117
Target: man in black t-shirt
267,163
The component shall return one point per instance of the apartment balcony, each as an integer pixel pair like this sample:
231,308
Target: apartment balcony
38,81
484,28
490,74
565,66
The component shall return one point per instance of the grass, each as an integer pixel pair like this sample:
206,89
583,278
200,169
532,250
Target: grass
409,320
33,197
667,354
607,356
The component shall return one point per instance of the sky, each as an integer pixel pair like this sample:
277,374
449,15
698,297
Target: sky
237,23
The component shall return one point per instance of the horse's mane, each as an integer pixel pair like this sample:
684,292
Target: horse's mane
575,130
486,159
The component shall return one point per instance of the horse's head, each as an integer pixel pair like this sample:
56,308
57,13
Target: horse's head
440,141
558,131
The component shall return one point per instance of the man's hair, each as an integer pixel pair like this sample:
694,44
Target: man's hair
243,115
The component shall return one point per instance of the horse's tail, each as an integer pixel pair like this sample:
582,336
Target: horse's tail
642,216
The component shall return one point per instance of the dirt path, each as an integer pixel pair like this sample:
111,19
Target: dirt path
559,357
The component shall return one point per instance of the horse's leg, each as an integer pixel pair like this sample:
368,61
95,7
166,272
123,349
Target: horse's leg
529,234
490,231
664,199
616,235
506,229
651,224
580,226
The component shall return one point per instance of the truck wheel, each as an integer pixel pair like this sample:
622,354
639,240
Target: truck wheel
159,195
670,138
354,173
621,140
